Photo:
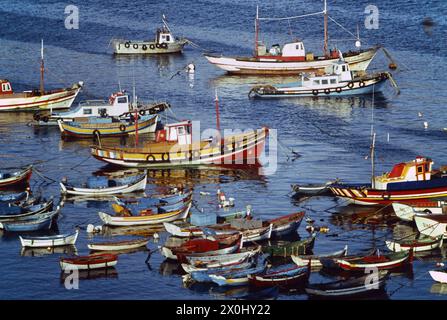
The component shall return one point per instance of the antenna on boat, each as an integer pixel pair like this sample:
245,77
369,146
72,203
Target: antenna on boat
325,28
42,69
165,23
256,31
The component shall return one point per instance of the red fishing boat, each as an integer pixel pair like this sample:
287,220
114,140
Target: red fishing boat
15,178
94,261
407,182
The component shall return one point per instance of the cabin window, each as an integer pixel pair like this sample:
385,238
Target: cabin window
122,100
324,81
180,131
317,82
420,169
87,111
168,38
333,81
343,68
6,87
102,111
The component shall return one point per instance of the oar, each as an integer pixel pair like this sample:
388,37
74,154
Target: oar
150,253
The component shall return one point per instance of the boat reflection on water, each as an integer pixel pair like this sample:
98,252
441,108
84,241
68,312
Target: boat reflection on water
162,61
169,268
439,288
119,252
348,216
107,273
244,293
39,252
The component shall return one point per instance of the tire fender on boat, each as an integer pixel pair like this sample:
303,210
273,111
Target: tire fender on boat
142,112
127,44
164,45
338,89
327,91
362,83
351,85
135,46
165,156
152,46
122,128
150,158
144,47
315,92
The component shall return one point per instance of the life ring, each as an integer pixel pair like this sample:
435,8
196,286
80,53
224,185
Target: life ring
350,85
315,92
142,112
36,116
327,90
122,128
338,89
164,45
135,46
152,46
144,47
127,45
165,156
150,158
45,119
196,154
362,83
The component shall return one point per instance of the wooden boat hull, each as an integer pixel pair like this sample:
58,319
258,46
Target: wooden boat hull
100,261
127,47
118,246
286,224
228,154
118,129
56,99
145,220
127,188
252,66
49,242
17,178
303,260
293,248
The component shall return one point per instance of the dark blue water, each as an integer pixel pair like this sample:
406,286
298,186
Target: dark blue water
332,136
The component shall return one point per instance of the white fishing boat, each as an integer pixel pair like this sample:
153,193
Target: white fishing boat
118,105
37,99
432,225
291,58
438,276
49,241
338,80
407,212
101,186
118,245
220,260
417,245
164,42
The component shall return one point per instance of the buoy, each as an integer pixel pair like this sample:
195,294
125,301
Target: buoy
392,66
156,236
420,114
425,124
358,44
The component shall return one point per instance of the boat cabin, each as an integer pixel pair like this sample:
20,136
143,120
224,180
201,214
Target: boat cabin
419,169
163,35
179,132
334,74
5,87
293,51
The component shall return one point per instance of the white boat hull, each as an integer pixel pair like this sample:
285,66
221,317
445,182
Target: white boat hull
429,227
397,247
140,185
438,276
47,243
146,47
70,266
104,247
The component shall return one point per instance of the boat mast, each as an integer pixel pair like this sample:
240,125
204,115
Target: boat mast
256,31
325,29
373,145
42,69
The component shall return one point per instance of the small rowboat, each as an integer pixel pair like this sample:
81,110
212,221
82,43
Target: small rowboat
50,241
286,224
287,249
418,245
374,260
24,213
303,260
433,225
156,201
216,268
157,218
96,261
345,288
212,261
15,178
109,186
199,247
312,189
283,277
14,197
236,278
438,276
43,222
118,245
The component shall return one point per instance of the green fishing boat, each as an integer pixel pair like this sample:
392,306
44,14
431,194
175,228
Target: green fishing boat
287,248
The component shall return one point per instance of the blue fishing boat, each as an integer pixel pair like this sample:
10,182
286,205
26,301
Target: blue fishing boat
9,213
337,81
13,197
43,222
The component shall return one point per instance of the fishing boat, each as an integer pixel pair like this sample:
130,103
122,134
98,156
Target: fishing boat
292,57
438,276
49,241
14,197
118,105
353,286
43,222
246,262
118,245
338,80
417,245
164,42
174,147
107,127
237,278
18,177
409,181
285,224
147,219
216,245
433,225
287,248
314,260
375,260
100,186
155,201
219,260
284,276
37,99
95,261
312,189
406,212
22,212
